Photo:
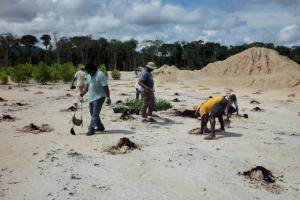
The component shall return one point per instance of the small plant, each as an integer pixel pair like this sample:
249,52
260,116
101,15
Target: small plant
162,104
42,73
134,105
21,73
116,74
102,68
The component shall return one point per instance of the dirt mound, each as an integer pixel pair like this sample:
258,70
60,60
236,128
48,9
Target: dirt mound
123,146
70,109
185,113
257,109
7,118
19,104
2,100
254,102
126,116
262,177
32,128
168,73
256,67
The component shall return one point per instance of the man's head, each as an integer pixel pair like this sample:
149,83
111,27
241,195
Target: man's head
232,97
91,68
150,66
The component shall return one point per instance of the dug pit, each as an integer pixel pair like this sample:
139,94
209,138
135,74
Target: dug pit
122,147
70,109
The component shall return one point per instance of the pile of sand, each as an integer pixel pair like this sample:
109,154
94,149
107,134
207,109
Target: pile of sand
32,128
256,67
168,73
123,146
262,177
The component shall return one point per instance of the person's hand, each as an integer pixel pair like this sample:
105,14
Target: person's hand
108,101
80,98
72,87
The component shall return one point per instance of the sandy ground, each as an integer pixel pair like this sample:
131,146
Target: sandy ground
171,163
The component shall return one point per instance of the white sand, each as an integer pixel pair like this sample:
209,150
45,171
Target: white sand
171,164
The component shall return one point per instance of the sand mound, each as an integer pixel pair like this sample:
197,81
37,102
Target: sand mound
7,118
123,146
184,113
168,73
256,67
126,116
2,100
262,177
32,128
257,109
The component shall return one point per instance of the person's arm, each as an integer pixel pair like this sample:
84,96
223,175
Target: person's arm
143,84
107,92
72,85
85,90
236,107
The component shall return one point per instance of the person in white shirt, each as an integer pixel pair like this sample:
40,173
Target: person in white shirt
80,77
137,90
81,84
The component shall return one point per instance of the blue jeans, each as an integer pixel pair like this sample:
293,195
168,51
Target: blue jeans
95,109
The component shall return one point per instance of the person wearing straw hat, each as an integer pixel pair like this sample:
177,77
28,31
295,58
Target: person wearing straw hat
147,91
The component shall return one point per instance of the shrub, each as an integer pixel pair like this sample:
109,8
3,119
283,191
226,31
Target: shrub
55,72
67,72
42,73
116,74
3,76
21,73
162,104
102,68
135,105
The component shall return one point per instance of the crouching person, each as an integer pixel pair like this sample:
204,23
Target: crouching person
98,91
210,110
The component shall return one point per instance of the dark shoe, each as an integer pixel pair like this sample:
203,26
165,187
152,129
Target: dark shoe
210,137
100,129
145,120
150,119
90,133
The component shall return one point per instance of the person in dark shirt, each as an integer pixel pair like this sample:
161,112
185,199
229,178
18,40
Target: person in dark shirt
147,91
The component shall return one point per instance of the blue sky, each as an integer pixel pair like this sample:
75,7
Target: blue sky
229,22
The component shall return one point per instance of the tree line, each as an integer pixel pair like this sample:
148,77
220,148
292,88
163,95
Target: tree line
122,55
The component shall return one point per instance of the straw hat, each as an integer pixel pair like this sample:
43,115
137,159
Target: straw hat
151,65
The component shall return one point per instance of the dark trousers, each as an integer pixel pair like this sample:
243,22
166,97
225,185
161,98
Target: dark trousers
95,109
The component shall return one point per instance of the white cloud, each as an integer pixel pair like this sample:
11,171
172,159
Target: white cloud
289,34
155,19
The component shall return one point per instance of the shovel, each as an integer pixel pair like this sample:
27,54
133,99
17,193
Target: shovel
76,122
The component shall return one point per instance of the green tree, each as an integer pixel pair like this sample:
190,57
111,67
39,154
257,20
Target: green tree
29,41
46,42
